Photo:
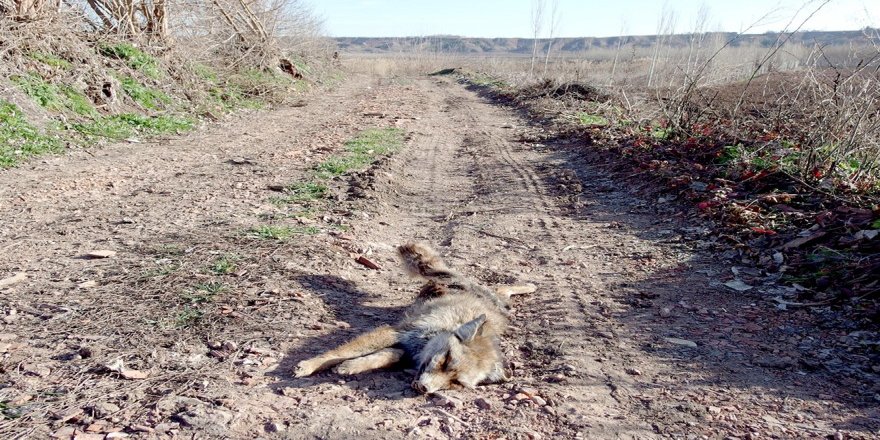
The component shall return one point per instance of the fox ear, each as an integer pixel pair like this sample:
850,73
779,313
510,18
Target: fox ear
468,331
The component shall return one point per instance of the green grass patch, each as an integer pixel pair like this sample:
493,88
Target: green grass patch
19,139
281,232
161,270
50,60
302,192
55,97
361,151
129,124
205,72
661,133
224,264
591,120
211,287
46,94
133,57
188,317
144,96
204,293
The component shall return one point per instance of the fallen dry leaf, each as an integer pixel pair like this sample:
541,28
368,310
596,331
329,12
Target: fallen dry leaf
118,366
366,262
100,254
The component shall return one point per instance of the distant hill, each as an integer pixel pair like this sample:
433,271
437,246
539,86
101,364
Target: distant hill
513,46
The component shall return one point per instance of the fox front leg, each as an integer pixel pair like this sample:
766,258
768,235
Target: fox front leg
367,343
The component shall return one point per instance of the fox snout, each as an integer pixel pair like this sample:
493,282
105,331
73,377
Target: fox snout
429,383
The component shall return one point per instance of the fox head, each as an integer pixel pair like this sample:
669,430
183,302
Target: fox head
465,356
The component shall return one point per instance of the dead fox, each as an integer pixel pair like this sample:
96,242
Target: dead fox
450,335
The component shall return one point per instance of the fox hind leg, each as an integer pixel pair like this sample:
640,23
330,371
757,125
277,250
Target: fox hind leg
367,343
381,359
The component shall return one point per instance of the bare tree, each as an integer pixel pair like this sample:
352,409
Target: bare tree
537,25
665,26
620,43
554,26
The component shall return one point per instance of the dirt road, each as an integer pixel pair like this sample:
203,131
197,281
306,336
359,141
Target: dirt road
630,335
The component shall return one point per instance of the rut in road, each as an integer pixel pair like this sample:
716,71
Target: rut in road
630,334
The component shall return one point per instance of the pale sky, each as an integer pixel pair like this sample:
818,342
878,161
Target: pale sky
580,18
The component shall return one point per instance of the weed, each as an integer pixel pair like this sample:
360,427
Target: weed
485,80
133,57
204,292
9,412
591,120
363,150
162,269
50,60
144,96
281,232
225,264
211,287
188,317
205,72
661,133
302,192
19,139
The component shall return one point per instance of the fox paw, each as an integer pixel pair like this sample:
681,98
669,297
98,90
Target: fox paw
346,369
304,368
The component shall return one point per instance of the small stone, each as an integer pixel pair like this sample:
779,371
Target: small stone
633,372
67,415
141,428
520,396
483,404
104,409
342,324
116,435
714,410
539,400
165,427
36,370
665,312
273,427
446,401
230,345
65,433
88,436
683,342
98,426
549,410
87,284
557,378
